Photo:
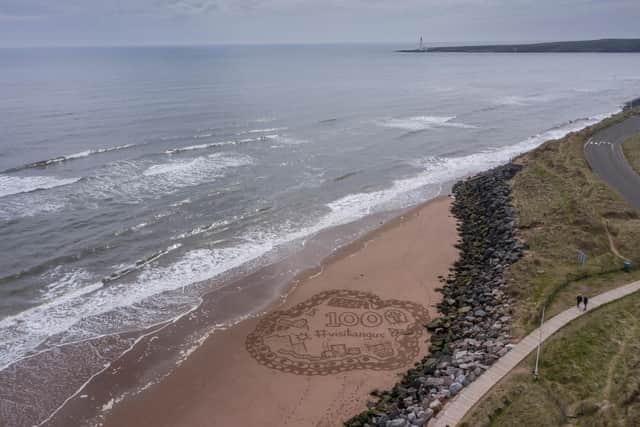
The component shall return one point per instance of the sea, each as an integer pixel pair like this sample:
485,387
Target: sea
135,180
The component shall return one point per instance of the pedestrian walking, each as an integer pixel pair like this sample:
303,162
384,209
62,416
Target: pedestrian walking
585,301
578,301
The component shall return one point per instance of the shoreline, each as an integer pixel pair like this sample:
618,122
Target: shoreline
173,351
474,329
269,285
70,369
130,380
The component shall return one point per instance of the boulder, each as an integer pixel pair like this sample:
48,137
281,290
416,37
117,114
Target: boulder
455,388
435,406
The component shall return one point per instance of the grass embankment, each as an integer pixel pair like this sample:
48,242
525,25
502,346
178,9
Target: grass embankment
590,371
590,376
563,207
631,150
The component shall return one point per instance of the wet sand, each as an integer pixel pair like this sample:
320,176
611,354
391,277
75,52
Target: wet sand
221,383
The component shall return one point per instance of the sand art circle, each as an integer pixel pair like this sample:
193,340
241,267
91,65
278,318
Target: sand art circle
338,331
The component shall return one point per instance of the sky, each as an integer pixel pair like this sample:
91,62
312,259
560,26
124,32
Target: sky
162,22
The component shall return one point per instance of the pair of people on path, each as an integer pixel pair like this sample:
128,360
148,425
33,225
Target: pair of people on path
580,299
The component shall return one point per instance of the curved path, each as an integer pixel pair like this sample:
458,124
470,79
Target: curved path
603,152
458,407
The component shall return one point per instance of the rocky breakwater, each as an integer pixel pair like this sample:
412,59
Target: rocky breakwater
473,330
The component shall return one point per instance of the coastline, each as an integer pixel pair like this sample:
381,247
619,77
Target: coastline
397,251
151,355
128,262
159,351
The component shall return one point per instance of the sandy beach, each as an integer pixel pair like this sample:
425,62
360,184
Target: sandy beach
387,279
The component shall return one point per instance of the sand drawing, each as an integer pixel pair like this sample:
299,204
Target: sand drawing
338,331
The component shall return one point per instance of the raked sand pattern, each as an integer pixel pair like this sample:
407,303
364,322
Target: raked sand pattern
338,331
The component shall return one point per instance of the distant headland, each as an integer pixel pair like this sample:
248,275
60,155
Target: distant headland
602,45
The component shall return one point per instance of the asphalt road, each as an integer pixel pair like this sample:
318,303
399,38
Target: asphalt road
604,154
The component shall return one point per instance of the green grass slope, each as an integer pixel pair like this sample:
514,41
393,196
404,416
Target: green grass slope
590,376
590,371
563,207
631,150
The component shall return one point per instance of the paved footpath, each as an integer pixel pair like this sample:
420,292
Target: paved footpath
604,153
457,408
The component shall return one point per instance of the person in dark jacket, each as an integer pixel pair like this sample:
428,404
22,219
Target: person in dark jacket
578,301
585,301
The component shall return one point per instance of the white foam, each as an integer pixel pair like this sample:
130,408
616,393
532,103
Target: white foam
80,314
111,403
267,130
420,123
139,226
10,185
181,202
203,229
522,100
65,283
286,140
203,136
196,342
265,119
441,170
12,208
211,145
193,147
511,100
97,151
198,167
124,270
128,182
185,353
172,167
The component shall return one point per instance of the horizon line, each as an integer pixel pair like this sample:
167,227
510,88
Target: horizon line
283,43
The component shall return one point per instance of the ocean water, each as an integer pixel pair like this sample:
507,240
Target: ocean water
129,175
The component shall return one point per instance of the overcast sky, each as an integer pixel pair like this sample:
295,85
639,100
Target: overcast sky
141,22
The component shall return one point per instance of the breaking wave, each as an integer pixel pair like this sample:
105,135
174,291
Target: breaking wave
268,130
214,145
74,156
286,140
523,100
139,264
440,170
421,123
192,170
125,181
202,229
11,185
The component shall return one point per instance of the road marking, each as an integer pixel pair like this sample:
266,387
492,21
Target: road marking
591,142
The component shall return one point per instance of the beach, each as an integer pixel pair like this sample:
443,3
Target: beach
139,237
221,383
